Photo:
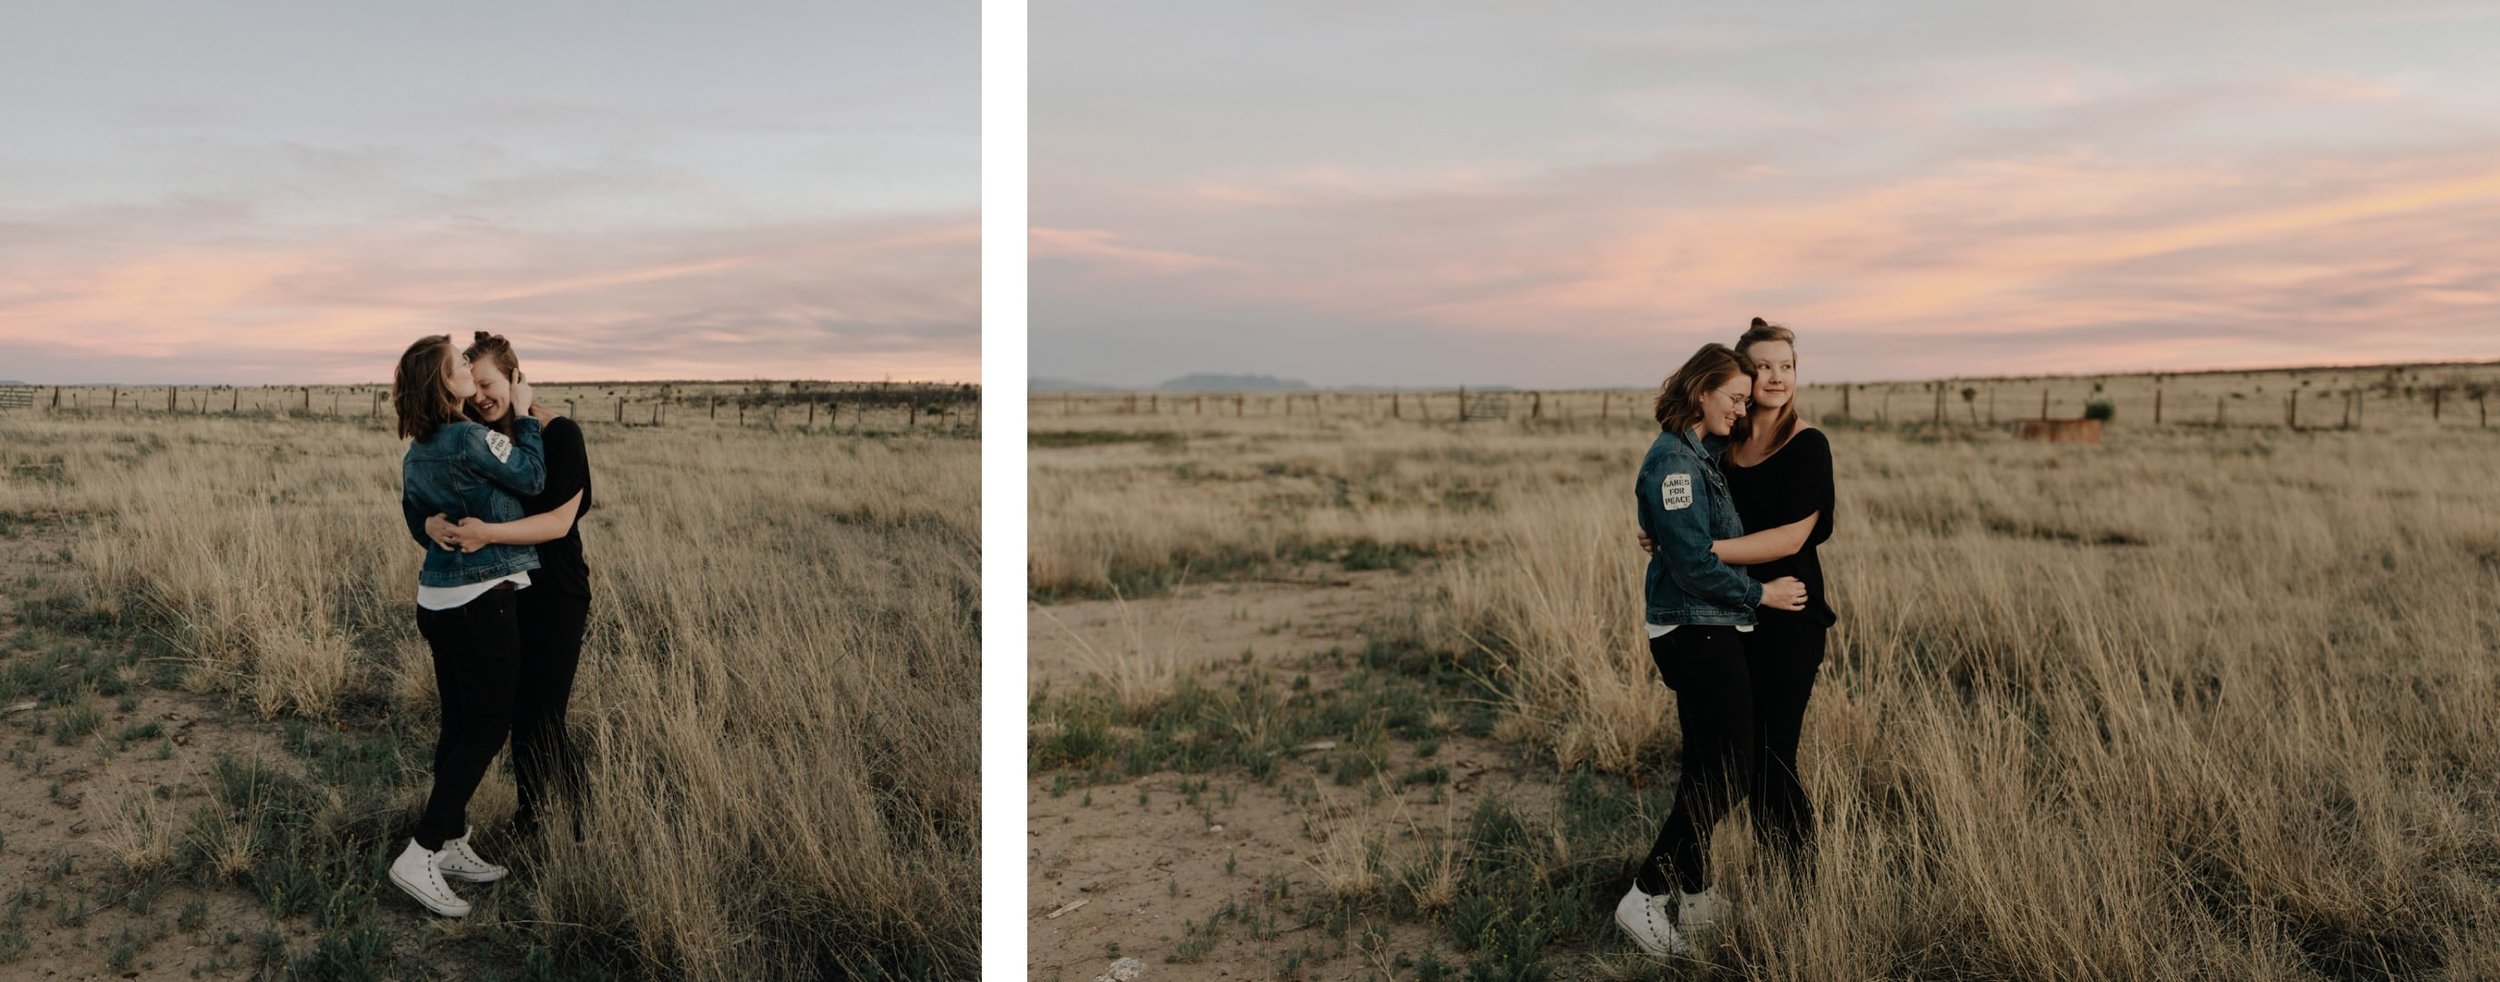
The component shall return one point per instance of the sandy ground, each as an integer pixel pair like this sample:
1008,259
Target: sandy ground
1123,870
42,826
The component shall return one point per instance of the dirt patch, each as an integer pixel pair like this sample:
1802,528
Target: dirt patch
1221,874
1317,608
84,765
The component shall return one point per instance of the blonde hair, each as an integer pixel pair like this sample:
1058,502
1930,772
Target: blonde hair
492,347
1784,418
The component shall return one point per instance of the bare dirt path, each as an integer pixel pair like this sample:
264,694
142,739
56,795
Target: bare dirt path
1215,876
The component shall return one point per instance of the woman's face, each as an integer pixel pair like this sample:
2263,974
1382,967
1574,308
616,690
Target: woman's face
1774,373
458,375
493,398
1723,406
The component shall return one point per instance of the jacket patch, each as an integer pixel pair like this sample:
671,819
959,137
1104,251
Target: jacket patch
1676,492
500,444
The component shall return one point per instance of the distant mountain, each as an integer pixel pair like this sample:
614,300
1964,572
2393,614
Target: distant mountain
1211,382
1040,384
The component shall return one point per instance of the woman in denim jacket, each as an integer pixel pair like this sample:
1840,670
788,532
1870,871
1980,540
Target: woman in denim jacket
1695,605
465,605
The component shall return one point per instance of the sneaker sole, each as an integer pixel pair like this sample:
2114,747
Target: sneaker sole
423,900
498,874
1643,943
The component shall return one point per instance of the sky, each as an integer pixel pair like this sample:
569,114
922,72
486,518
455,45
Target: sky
292,192
1579,194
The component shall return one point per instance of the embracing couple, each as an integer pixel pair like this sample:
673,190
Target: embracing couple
493,487
1734,495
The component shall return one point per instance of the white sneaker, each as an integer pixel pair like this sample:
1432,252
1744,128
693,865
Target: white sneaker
418,871
1645,918
460,862
1699,912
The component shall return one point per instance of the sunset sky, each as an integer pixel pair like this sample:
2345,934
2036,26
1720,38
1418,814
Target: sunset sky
1578,194
292,192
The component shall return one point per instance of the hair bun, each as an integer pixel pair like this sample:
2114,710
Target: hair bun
1759,322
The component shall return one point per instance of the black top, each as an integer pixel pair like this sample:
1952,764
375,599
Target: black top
560,564
1795,481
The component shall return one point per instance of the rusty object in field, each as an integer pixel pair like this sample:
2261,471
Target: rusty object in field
2062,430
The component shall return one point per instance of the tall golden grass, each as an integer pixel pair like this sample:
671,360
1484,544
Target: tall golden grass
778,697
2200,702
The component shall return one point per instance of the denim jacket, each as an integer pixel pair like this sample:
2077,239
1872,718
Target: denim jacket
463,470
1684,505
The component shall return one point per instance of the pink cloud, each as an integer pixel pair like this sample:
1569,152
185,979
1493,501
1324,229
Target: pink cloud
1101,246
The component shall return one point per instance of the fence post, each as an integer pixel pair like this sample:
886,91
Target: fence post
1198,405
1396,411
2435,404
811,415
2219,417
915,412
715,409
307,399
2044,404
2291,412
2348,409
620,409
117,400
1237,406
2157,406
655,412
56,398
1536,405
169,400
1940,403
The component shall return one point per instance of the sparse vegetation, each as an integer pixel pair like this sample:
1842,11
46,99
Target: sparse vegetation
2186,688
778,700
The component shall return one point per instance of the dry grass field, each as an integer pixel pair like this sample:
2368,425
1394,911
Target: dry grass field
778,700
2199,702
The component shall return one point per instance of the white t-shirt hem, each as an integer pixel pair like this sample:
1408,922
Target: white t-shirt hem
1657,631
448,597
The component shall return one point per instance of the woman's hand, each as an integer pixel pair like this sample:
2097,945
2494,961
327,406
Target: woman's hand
521,401
470,534
440,529
1785,593
1648,544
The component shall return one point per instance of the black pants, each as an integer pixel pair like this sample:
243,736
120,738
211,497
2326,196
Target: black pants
476,666
543,759
1782,656
1714,703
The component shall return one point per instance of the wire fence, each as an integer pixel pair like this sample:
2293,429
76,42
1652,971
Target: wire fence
862,410
2300,401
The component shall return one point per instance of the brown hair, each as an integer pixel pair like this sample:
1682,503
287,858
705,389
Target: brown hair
492,347
1784,418
1679,397
421,388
